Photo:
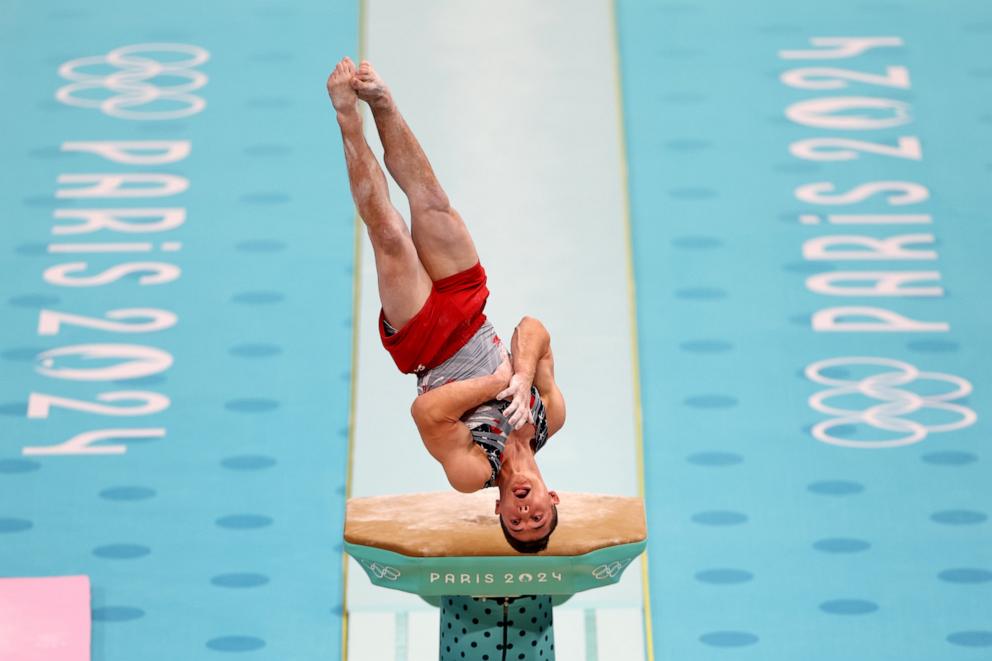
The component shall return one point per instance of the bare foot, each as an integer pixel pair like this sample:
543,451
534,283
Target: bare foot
370,88
343,97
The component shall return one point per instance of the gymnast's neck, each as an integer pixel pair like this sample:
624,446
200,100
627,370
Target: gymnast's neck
518,458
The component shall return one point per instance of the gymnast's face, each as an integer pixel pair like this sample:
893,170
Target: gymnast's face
525,507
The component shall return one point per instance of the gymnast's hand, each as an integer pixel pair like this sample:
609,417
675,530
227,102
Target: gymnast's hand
518,391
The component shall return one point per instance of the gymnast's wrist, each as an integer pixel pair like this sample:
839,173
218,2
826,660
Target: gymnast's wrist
495,385
526,374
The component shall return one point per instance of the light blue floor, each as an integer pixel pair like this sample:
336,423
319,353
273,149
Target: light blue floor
224,534
764,539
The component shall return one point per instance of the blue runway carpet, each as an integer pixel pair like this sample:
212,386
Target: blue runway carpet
218,528
802,509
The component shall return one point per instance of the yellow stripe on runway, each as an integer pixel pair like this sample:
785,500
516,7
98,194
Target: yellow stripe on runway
632,297
356,315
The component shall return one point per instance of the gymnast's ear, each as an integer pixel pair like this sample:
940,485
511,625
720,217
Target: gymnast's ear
497,507
554,497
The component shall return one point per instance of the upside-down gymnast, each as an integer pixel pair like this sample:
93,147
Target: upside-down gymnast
481,413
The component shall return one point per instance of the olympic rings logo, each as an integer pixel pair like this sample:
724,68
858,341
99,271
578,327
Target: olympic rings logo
887,385
130,87
604,572
381,571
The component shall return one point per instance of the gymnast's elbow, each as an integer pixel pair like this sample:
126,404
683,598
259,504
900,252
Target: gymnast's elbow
417,408
423,414
462,485
431,411
534,322
465,481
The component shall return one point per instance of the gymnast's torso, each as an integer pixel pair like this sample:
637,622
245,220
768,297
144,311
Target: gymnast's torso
480,356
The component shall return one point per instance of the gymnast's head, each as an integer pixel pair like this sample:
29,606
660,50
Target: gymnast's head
528,513
521,542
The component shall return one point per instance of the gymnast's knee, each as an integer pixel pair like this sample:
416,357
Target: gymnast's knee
430,199
389,235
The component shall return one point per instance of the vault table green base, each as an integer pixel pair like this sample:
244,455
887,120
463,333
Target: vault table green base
501,629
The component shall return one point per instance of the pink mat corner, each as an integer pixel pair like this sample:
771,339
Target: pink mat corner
42,619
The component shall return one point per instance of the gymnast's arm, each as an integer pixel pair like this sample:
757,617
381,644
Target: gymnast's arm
533,364
438,413
445,405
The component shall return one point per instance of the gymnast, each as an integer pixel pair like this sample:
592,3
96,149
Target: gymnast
481,412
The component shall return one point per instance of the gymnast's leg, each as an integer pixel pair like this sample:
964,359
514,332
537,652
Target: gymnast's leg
439,234
404,285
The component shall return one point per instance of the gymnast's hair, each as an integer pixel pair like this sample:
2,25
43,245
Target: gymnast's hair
534,545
